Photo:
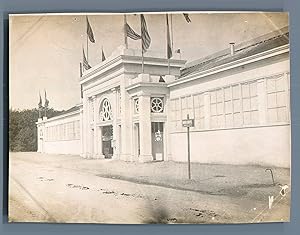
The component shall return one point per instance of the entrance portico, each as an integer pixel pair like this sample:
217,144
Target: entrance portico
150,114
125,111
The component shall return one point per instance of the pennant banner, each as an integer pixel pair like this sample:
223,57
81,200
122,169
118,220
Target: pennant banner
187,18
40,104
89,31
85,62
46,100
103,56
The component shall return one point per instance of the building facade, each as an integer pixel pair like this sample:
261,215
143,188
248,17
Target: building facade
239,99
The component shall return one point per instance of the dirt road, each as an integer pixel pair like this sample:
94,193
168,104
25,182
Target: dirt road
41,192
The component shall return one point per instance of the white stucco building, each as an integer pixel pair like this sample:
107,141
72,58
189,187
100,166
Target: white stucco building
239,99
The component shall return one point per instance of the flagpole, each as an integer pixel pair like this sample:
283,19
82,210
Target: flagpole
39,105
167,32
87,41
142,47
45,104
172,31
125,32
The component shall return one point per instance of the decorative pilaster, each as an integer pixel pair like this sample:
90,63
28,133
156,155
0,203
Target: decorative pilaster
167,128
145,129
115,127
85,126
126,124
95,132
81,133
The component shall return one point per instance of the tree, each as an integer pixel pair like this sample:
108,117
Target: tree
23,130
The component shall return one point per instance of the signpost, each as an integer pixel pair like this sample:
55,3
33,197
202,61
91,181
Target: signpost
188,123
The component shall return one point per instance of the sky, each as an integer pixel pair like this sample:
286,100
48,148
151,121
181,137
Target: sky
45,50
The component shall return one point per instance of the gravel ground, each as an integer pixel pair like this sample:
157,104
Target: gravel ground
243,189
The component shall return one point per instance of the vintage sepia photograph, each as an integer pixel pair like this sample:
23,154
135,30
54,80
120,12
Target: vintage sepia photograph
149,117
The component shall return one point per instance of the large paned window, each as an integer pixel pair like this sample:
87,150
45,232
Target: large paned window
236,105
65,131
277,99
199,111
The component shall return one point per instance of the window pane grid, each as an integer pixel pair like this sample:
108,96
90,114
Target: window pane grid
277,99
66,131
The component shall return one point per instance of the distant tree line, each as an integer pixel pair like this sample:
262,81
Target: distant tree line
23,130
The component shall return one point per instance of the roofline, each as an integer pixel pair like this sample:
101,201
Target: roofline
145,84
60,117
231,65
131,59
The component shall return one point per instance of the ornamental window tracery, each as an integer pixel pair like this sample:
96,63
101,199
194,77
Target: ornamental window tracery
106,111
136,105
157,105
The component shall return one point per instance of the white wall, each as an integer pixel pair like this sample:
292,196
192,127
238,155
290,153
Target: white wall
266,144
257,145
62,147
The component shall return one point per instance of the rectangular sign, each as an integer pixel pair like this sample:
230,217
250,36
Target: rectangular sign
188,122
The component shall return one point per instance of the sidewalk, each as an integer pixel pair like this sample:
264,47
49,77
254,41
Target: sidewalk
234,181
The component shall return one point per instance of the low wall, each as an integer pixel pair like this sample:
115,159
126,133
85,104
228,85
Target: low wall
268,146
62,147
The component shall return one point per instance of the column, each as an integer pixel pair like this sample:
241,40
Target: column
167,128
99,143
206,110
95,147
39,141
126,123
90,136
145,129
115,127
43,127
85,126
81,132
261,101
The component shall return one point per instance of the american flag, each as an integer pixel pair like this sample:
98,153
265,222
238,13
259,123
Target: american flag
146,40
130,33
85,62
89,31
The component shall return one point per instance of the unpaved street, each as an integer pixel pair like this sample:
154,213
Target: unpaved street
46,192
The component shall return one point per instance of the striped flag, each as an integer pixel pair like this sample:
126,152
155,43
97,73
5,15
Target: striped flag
169,48
187,18
131,33
89,31
146,40
85,62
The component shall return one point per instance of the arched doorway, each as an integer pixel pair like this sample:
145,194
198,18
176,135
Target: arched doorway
106,128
